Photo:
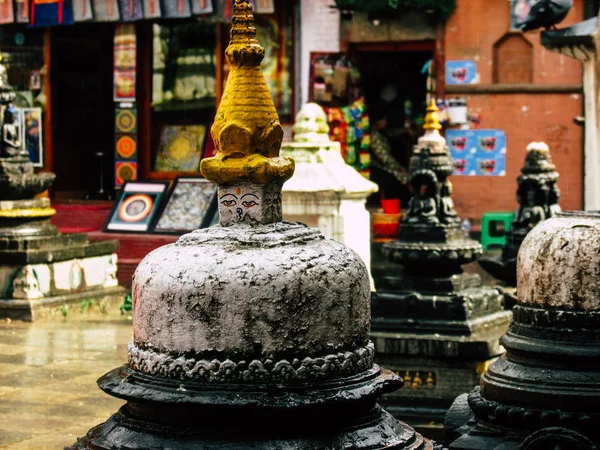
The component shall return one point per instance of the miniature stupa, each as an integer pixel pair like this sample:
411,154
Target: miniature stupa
433,323
538,198
325,192
254,333
543,393
43,272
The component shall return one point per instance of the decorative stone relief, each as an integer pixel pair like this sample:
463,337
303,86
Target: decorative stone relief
26,285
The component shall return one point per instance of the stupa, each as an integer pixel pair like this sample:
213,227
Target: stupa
254,333
432,323
43,272
543,393
325,192
538,197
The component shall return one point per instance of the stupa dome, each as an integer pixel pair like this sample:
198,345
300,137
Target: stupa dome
559,263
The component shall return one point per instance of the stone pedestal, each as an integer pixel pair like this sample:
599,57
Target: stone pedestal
544,392
42,271
433,324
325,192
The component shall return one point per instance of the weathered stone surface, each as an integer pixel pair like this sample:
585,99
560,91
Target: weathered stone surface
303,295
559,264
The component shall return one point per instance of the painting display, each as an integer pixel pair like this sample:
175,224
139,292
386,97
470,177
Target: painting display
32,134
478,152
461,72
125,171
180,148
192,205
137,206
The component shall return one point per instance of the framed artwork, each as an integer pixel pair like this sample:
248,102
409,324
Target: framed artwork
180,148
519,10
192,205
32,134
125,171
137,206
478,152
461,72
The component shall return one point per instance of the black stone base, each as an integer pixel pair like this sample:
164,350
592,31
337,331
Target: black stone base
163,413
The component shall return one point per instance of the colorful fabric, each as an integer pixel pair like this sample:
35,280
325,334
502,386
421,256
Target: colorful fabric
131,10
202,7
22,11
82,10
47,13
106,11
174,9
152,9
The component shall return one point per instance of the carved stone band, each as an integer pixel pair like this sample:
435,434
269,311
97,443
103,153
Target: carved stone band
260,371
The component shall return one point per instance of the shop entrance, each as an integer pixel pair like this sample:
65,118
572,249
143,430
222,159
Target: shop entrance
82,109
394,80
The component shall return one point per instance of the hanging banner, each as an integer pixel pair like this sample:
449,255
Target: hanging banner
478,152
131,10
200,7
22,11
152,9
174,9
47,13
125,63
106,11
82,10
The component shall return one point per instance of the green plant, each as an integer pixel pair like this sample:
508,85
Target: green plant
85,304
64,309
127,305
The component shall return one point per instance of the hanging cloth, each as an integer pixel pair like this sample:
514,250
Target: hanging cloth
82,10
174,9
131,10
47,13
7,12
152,9
106,10
202,7
223,10
22,11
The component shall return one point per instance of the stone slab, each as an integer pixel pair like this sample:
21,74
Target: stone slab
10,205
76,250
100,303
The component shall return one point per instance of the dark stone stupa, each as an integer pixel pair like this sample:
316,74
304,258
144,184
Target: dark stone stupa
538,197
433,323
543,394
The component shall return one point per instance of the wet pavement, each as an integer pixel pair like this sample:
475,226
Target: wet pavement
48,373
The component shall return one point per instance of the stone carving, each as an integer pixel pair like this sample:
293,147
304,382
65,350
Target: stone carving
11,134
538,196
258,323
430,309
311,124
299,369
26,284
544,392
111,272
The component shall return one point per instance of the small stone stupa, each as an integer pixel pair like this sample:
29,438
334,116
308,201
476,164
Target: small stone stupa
432,323
538,198
43,272
325,192
252,334
544,392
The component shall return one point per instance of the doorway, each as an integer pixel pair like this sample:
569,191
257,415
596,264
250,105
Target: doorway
82,108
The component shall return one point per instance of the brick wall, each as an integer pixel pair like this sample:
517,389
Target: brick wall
471,34
320,32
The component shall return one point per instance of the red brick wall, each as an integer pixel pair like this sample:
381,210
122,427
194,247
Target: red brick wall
471,34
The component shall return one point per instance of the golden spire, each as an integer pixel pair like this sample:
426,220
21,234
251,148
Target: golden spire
432,120
246,130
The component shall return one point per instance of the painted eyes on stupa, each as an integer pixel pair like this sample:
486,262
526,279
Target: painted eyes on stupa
228,202
249,204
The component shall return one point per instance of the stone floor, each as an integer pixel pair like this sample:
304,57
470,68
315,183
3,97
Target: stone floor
48,372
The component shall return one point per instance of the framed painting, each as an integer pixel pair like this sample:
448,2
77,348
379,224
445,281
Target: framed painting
180,148
264,6
191,205
137,207
32,134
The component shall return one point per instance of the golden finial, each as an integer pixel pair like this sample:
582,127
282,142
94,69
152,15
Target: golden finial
247,134
432,120
246,130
